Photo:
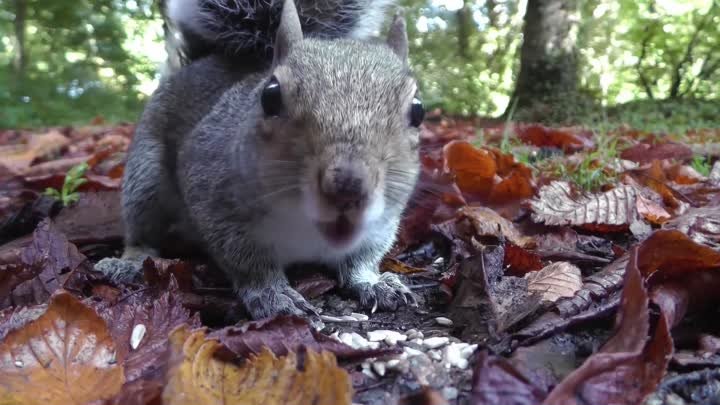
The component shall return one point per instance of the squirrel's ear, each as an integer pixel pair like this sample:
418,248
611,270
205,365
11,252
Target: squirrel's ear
397,36
289,32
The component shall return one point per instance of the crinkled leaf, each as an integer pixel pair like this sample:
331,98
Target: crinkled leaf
66,356
557,204
554,281
202,372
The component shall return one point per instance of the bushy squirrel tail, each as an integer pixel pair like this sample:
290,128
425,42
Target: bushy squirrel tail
196,28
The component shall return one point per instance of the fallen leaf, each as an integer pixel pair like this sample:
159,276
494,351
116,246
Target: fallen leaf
488,222
556,280
19,157
520,261
671,253
645,153
66,356
628,367
396,266
568,139
557,204
701,224
31,274
285,334
202,373
473,169
157,314
651,211
496,382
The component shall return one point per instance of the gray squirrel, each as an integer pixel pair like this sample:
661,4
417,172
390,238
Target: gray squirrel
267,147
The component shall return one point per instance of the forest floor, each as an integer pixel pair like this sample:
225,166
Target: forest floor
552,265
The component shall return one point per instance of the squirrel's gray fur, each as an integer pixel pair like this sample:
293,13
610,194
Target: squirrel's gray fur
209,167
195,28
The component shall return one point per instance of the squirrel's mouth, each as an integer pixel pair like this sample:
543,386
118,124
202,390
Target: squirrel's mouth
339,232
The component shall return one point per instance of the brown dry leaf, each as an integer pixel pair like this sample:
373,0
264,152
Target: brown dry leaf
651,211
396,266
556,280
557,204
567,139
702,225
201,373
628,366
66,356
488,222
644,153
474,169
18,158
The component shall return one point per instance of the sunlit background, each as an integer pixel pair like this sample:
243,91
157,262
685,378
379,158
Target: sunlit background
67,61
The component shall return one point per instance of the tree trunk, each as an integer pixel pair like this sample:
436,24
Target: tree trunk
20,60
548,63
465,27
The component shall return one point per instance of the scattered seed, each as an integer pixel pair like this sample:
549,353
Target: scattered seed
435,342
360,317
444,321
137,335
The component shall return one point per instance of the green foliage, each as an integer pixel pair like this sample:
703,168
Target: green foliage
594,170
87,58
78,62
702,165
73,180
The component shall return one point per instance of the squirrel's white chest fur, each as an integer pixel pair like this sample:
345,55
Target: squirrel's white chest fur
295,238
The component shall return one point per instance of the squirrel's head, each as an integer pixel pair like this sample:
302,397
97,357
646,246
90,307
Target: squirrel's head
342,117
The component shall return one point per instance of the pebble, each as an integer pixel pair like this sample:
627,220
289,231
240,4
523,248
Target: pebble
444,321
450,393
379,368
19,363
137,335
359,317
435,342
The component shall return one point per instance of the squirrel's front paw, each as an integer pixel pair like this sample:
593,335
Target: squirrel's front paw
389,293
269,301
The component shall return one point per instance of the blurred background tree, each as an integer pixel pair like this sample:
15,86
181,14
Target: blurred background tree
642,62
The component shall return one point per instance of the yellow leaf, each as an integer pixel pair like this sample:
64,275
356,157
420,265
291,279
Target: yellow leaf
202,373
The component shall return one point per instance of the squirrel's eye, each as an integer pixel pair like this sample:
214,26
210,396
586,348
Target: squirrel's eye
417,112
271,98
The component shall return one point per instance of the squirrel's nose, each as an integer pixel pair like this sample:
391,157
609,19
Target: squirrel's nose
343,187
